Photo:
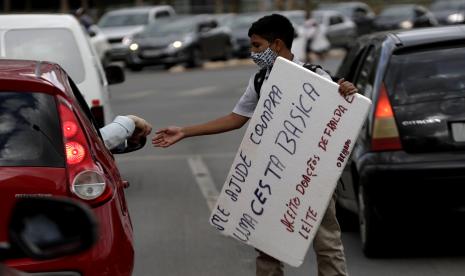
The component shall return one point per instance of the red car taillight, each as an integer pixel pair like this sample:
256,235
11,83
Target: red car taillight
385,134
85,176
75,153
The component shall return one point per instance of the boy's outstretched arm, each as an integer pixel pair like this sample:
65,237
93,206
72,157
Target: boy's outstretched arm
166,137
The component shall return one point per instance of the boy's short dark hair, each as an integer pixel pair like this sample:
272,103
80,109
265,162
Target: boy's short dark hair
274,26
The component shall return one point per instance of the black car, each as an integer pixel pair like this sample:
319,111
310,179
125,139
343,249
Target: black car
404,16
407,170
449,12
183,40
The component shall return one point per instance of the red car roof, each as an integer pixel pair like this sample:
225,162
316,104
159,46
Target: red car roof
32,76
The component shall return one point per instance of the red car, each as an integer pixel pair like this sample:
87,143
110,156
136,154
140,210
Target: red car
50,146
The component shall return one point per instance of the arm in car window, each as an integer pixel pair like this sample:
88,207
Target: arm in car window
124,128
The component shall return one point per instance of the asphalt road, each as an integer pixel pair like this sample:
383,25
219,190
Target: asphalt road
167,199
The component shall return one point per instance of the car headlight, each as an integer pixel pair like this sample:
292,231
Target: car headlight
182,43
456,18
134,46
407,24
177,44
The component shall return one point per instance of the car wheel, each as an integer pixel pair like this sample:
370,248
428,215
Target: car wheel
370,231
228,53
347,219
168,66
135,68
195,60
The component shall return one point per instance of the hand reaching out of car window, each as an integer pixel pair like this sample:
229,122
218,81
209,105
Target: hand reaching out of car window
142,129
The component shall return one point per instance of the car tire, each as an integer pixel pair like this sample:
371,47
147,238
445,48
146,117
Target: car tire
195,59
228,53
135,68
168,66
347,220
370,230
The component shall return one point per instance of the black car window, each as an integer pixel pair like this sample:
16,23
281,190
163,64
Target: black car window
124,19
206,26
360,11
334,20
419,12
350,63
162,14
30,130
426,75
363,80
214,23
171,26
396,13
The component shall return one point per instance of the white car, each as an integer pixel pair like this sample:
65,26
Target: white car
337,28
123,23
61,39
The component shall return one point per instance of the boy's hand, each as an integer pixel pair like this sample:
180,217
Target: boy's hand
165,137
346,88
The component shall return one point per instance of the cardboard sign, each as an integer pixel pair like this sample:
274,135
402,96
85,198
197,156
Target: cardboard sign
286,169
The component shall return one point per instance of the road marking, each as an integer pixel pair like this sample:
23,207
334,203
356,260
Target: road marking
204,180
155,157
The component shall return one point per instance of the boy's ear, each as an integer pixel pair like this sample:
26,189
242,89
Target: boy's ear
280,45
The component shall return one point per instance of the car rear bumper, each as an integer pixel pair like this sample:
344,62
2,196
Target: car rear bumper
415,186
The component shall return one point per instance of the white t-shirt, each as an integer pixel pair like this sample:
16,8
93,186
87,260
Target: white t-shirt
248,101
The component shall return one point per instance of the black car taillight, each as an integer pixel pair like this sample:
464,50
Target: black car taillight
85,176
385,134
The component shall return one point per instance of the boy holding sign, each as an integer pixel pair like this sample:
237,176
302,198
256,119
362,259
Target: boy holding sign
270,37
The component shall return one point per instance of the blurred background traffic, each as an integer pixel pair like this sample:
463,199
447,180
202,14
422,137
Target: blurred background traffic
132,31
182,62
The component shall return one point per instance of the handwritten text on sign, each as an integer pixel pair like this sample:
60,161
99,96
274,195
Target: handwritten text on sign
287,166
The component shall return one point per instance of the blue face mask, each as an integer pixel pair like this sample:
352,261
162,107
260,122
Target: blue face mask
265,58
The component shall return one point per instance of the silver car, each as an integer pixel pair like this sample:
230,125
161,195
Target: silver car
339,29
122,23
